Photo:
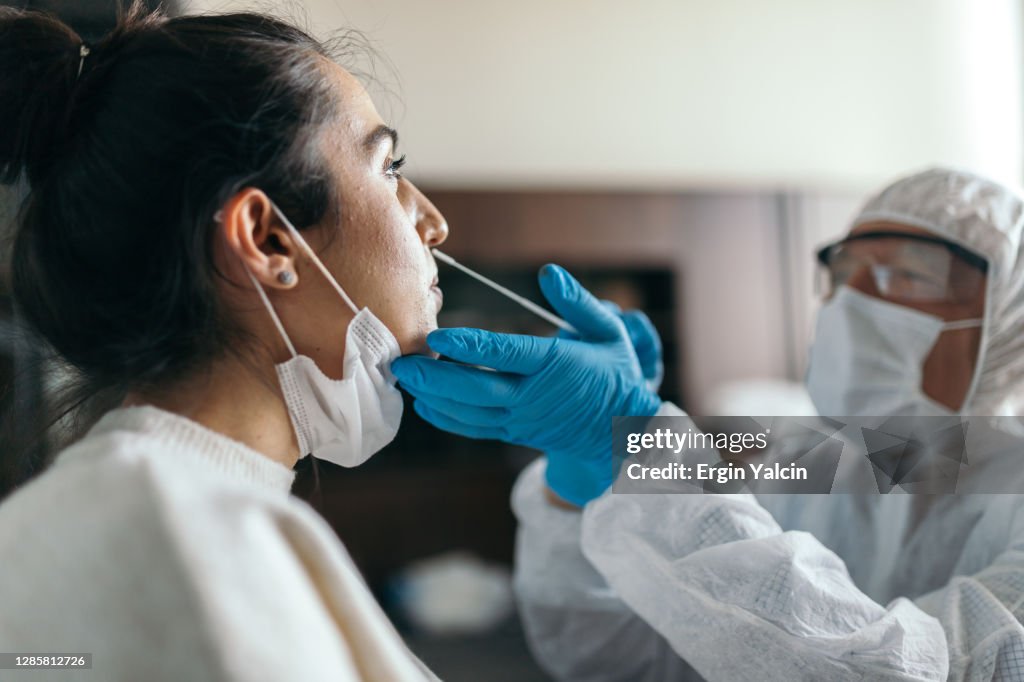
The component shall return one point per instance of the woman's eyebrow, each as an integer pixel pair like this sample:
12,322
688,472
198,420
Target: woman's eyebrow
380,133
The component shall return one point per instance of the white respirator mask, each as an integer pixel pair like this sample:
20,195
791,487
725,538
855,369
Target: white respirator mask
868,356
341,421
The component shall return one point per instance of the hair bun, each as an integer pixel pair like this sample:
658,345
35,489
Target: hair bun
40,58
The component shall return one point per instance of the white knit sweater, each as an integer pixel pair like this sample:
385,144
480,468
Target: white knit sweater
170,552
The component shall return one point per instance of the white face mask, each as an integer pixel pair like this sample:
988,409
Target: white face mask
341,421
868,355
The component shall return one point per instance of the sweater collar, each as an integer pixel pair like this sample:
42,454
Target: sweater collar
182,435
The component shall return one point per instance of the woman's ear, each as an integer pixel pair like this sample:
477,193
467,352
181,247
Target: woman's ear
253,233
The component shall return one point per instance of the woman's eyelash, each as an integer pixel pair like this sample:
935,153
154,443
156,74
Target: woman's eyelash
395,165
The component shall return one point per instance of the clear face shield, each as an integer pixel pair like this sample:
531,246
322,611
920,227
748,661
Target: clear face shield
903,267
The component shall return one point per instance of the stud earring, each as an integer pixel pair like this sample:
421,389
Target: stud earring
286,277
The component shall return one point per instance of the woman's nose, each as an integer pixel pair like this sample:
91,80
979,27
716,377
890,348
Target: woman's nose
430,224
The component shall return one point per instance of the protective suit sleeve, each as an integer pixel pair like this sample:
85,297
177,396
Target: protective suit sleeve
577,627
982,613
738,598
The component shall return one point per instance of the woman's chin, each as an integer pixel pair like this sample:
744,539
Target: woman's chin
417,345
423,350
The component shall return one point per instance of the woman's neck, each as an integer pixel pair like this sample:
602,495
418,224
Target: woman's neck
231,398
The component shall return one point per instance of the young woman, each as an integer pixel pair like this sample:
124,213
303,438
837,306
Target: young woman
215,227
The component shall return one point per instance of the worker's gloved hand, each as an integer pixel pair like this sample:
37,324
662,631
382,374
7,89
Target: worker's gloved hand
557,395
646,343
647,346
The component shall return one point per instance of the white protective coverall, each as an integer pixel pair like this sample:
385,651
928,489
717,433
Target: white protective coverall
805,587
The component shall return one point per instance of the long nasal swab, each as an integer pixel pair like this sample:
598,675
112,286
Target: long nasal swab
525,302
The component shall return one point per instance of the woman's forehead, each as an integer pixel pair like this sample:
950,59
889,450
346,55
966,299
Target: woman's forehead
356,113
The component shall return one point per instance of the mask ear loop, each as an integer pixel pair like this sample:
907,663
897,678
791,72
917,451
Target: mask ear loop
313,257
966,408
316,261
963,324
218,216
270,309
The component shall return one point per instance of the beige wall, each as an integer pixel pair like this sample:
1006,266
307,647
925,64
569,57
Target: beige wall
684,93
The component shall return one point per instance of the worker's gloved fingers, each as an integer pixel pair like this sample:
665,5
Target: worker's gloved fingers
516,353
578,306
426,376
642,332
613,307
472,415
578,482
646,343
448,423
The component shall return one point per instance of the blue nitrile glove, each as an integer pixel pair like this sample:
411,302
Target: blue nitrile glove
646,343
557,395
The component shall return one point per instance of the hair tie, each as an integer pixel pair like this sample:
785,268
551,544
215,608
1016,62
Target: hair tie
83,52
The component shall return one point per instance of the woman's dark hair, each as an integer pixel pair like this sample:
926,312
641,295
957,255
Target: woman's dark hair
125,164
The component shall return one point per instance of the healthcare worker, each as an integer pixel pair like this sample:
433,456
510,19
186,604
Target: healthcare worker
925,317
215,228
